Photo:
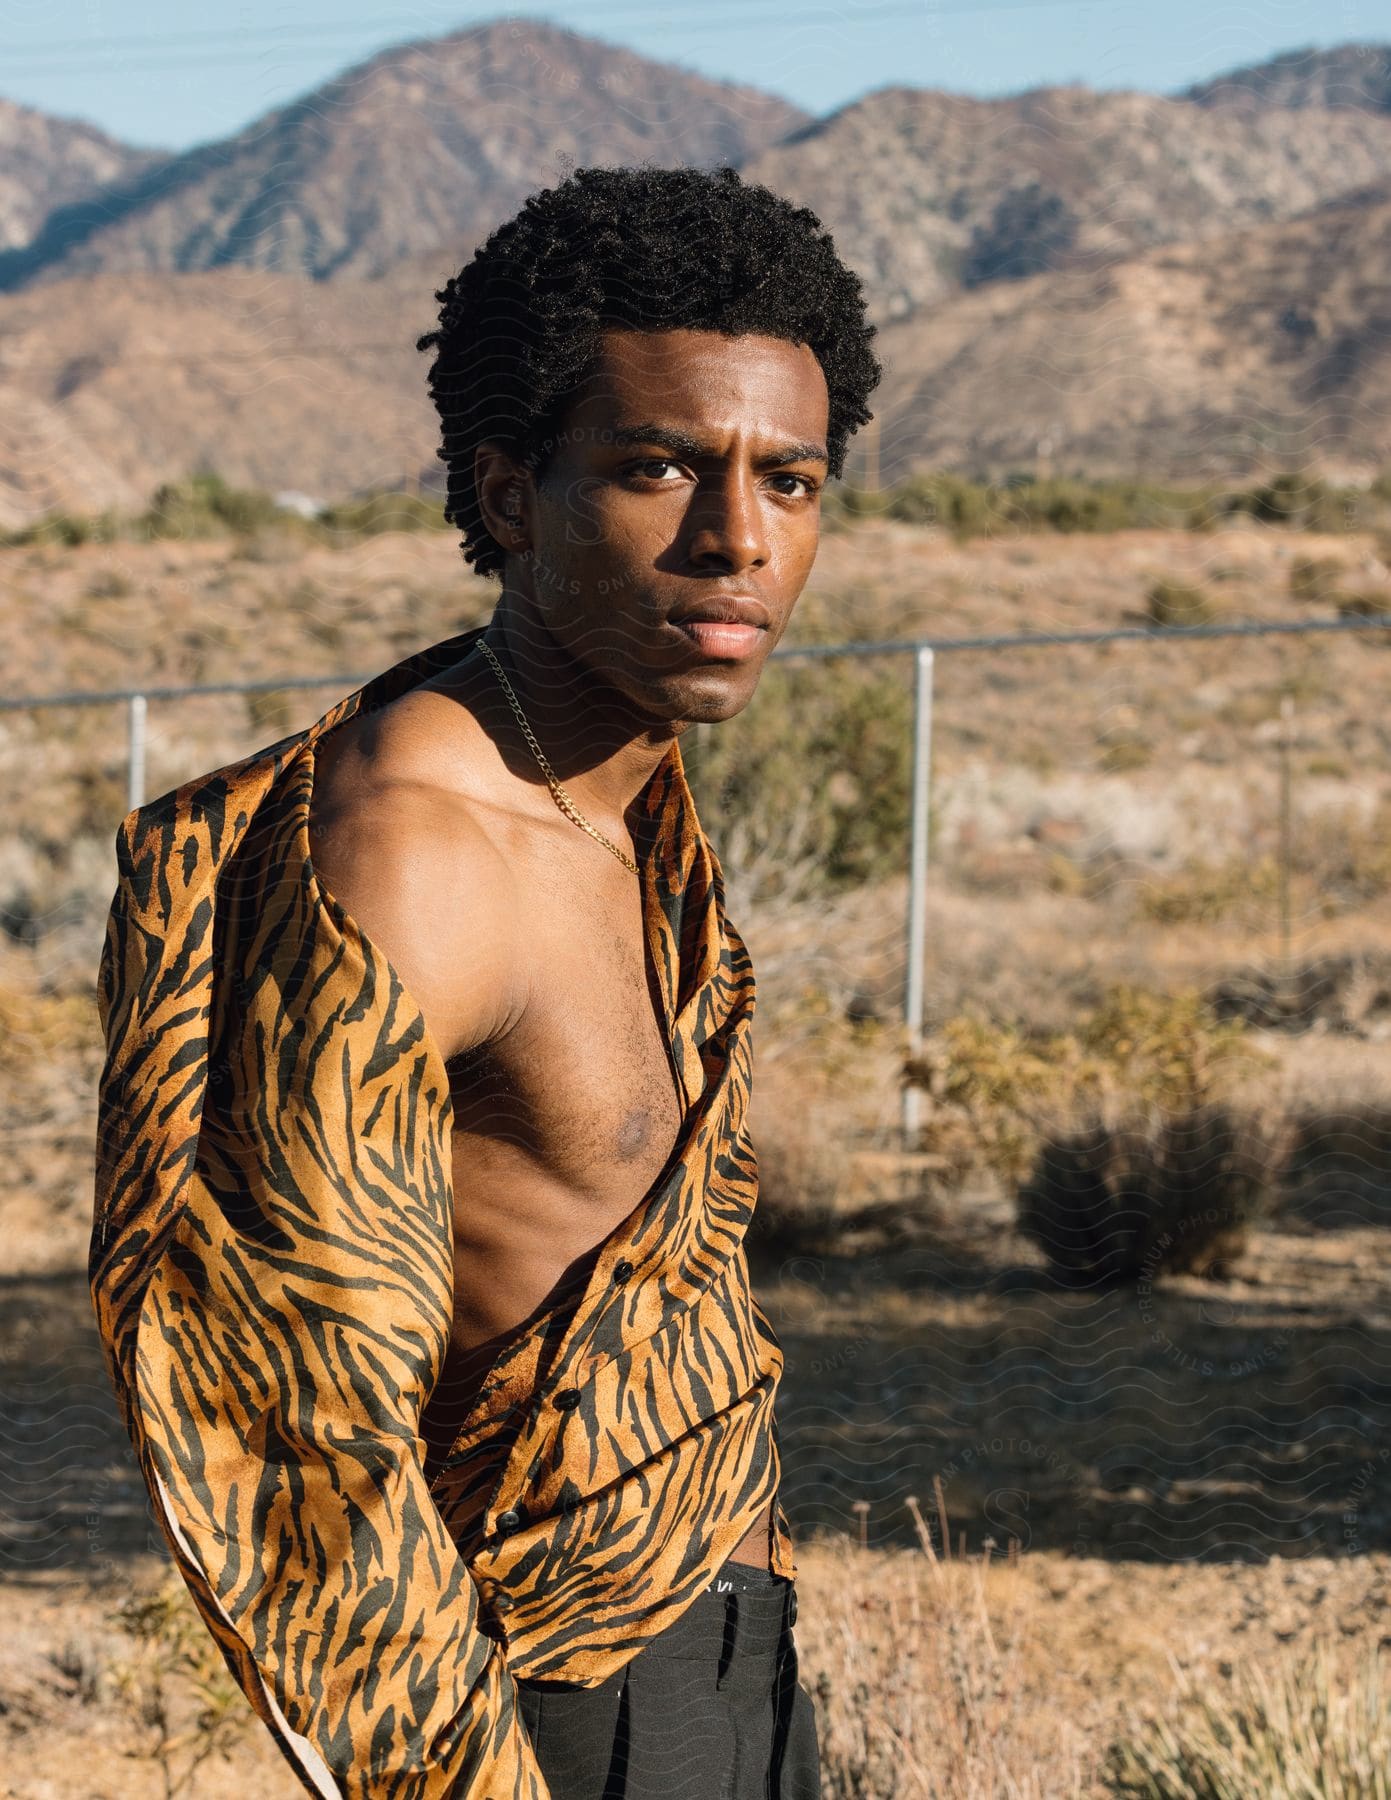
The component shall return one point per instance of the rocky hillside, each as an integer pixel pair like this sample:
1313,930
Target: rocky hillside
111,384
1188,360
427,144
928,192
47,162
1356,75
1065,279
1268,346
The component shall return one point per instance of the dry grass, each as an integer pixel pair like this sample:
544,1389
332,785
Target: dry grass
998,1673
1290,1732
918,1679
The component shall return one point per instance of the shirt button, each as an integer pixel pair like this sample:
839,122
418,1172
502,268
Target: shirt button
503,1603
509,1520
567,1399
622,1270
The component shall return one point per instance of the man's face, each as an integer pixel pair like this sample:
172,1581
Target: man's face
676,525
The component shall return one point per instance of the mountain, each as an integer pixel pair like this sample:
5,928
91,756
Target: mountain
429,143
1110,282
927,192
47,162
1213,358
1267,347
113,383
1353,75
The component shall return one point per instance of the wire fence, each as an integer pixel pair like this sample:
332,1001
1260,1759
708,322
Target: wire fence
1019,869
922,650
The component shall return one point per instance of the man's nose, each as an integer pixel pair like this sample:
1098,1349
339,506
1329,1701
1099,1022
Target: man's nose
726,522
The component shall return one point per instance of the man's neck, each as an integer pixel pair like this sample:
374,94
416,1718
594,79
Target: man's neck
598,745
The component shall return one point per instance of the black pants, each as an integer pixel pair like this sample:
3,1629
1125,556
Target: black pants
710,1710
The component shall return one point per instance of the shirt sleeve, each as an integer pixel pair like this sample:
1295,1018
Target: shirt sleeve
271,1269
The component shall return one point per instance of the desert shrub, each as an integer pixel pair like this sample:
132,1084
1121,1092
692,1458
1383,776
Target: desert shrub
843,504
67,529
1341,856
801,1175
269,711
109,584
83,1664
997,1090
1205,891
987,1084
820,1089
1342,991
39,1027
1021,501
832,740
1338,1170
176,1686
1170,1050
949,501
1171,603
205,505
1293,499
1314,578
1071,504
1375,604
1120,751
1303,502
1294,1732
1348,854
389,510
200,506
836,511
1163,1193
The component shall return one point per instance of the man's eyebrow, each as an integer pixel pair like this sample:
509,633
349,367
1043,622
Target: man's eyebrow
681,443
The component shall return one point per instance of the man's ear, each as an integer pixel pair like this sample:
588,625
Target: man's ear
504,497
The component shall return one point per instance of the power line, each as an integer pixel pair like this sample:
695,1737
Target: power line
318,27
202,357
332,32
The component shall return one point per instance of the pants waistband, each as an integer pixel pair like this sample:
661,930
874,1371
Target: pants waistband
749,1618
746,1578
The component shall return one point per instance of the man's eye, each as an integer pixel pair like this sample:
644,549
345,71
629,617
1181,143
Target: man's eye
808,485
649,463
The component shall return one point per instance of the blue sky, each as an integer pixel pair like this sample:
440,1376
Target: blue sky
162,74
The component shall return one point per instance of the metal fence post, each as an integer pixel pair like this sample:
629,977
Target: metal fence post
135,752
917,881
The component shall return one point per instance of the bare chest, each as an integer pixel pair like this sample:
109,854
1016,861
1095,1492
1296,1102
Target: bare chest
562,1126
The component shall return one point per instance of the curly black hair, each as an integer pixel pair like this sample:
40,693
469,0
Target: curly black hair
633,248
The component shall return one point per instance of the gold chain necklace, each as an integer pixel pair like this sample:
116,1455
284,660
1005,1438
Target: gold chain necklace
561,798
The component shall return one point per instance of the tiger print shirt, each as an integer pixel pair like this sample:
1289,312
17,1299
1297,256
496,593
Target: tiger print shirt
272,1271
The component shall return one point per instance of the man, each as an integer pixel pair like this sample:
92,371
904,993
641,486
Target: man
423,1170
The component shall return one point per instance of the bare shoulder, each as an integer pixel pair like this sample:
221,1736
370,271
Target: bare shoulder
415,868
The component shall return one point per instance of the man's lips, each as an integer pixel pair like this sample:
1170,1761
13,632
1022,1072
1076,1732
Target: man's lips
725,609
726,628
722,640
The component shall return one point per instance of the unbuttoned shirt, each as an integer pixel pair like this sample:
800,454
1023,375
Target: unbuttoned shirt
272,1271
